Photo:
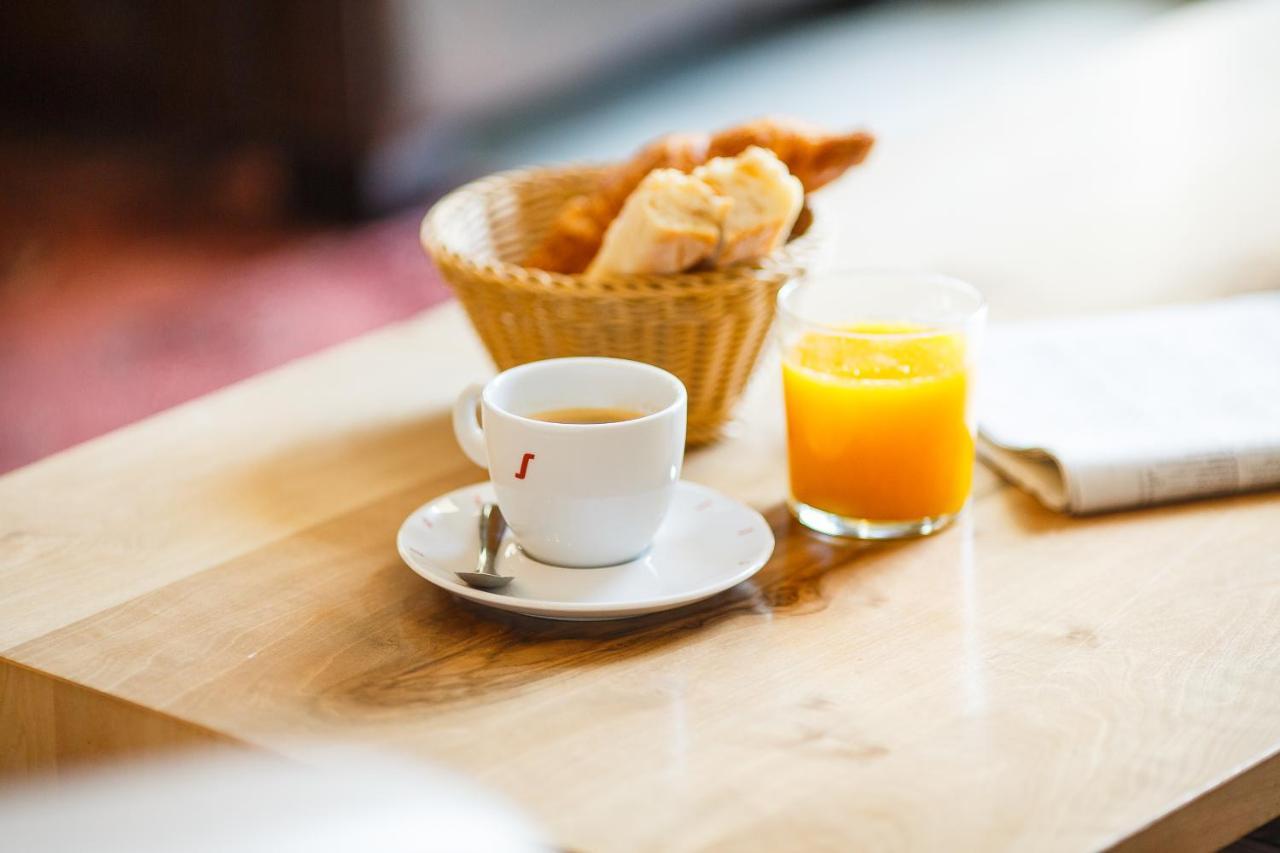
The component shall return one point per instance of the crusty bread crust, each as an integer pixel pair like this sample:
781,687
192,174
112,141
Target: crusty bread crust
814,156
766,201
670,223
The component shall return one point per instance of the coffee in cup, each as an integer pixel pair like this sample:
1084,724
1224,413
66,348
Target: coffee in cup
588,415
584,454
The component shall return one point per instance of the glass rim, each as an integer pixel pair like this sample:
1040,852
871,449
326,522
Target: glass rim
949,281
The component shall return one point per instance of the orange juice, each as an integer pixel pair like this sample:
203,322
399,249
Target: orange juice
876,425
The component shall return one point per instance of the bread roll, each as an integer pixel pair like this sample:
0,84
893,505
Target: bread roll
670,223
813,155
766,201
574,237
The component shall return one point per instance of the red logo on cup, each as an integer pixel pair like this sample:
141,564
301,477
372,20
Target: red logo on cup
524,466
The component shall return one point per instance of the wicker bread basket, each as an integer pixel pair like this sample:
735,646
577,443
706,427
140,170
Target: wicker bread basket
705,327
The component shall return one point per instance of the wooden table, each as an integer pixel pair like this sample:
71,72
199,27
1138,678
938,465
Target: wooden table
225,572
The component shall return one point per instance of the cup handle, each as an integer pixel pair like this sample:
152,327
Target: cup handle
466,429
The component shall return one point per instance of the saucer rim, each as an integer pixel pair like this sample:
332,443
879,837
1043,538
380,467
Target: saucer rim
520,604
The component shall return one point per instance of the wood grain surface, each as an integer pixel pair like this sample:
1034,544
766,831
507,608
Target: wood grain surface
226,571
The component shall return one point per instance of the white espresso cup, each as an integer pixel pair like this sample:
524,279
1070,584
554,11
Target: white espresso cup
578,495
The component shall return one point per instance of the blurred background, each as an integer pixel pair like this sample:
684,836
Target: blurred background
193,192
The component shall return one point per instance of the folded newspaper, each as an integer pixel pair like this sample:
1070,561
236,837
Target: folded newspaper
1135,409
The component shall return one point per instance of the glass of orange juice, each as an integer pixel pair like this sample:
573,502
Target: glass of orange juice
877,372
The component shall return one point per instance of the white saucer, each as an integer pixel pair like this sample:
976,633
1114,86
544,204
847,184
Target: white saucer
708,543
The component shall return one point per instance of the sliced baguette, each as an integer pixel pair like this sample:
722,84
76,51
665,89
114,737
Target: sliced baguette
671,222
766,197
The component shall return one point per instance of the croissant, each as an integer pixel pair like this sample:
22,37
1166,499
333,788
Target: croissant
814,156
811,154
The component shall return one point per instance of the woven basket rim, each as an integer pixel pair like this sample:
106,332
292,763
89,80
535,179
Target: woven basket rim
618,285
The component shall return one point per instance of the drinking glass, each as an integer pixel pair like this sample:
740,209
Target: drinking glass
878,370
